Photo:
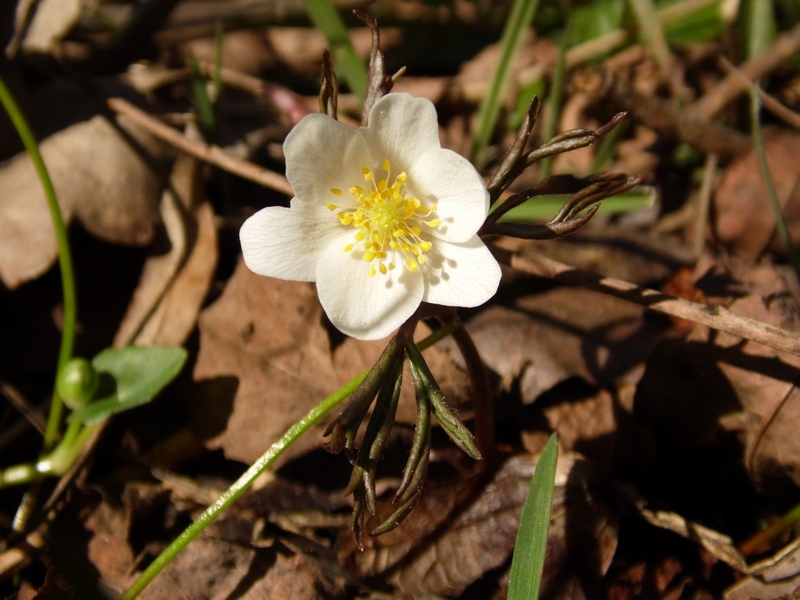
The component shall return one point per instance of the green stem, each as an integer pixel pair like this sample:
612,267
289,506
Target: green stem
54,464
347,62
258,467
64,255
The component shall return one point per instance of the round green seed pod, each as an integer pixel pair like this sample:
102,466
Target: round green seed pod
77,383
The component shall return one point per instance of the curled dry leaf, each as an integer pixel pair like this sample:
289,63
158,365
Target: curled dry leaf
173,285
103,174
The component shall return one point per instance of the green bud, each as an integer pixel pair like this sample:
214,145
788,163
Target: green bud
77,383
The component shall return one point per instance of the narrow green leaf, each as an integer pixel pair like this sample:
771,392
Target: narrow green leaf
554,100
348,65
650,29
758,22
542,208
529,553
519,19
130,377
761,154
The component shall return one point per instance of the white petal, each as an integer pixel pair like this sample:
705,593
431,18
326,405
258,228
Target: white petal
322,153
449,180
463,274
401,128
286,243
367,308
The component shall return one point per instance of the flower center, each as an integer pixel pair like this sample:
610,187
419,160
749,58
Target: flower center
387,218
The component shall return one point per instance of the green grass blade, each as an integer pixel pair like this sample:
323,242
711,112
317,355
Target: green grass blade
542,208
522,12
64,255
780,221
651,30
760,30
348,65
529,553
554,100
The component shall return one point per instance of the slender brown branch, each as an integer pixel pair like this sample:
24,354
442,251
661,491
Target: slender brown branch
769,102
207,153
763,63
716,317
481,394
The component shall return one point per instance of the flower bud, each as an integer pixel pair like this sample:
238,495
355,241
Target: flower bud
77,383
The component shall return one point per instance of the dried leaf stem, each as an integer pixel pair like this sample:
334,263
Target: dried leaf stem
716,317
200,150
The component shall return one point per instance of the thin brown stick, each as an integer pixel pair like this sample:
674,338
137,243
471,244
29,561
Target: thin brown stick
207,153
784,113
763,63
716,317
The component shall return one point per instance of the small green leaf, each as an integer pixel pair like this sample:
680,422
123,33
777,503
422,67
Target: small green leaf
529,553
130,377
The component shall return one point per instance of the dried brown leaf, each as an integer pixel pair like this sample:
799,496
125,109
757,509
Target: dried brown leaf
559,333
745,221
106,176
173,285
268,335
217,569
451,541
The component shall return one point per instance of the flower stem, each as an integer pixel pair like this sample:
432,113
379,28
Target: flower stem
56,463
258,467
64,255
481,394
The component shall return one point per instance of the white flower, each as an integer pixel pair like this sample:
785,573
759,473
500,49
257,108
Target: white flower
383,219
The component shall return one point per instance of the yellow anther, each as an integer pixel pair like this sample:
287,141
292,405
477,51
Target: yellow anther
386,215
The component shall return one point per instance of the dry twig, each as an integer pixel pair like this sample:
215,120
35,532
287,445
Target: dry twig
716,317
762,64
205,152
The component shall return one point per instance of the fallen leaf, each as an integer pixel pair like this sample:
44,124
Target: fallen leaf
448,544
268,335
103,174
173,285
745,221
217,569
554,333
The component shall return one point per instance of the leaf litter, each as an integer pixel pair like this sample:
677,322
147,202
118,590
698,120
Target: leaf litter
677,442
